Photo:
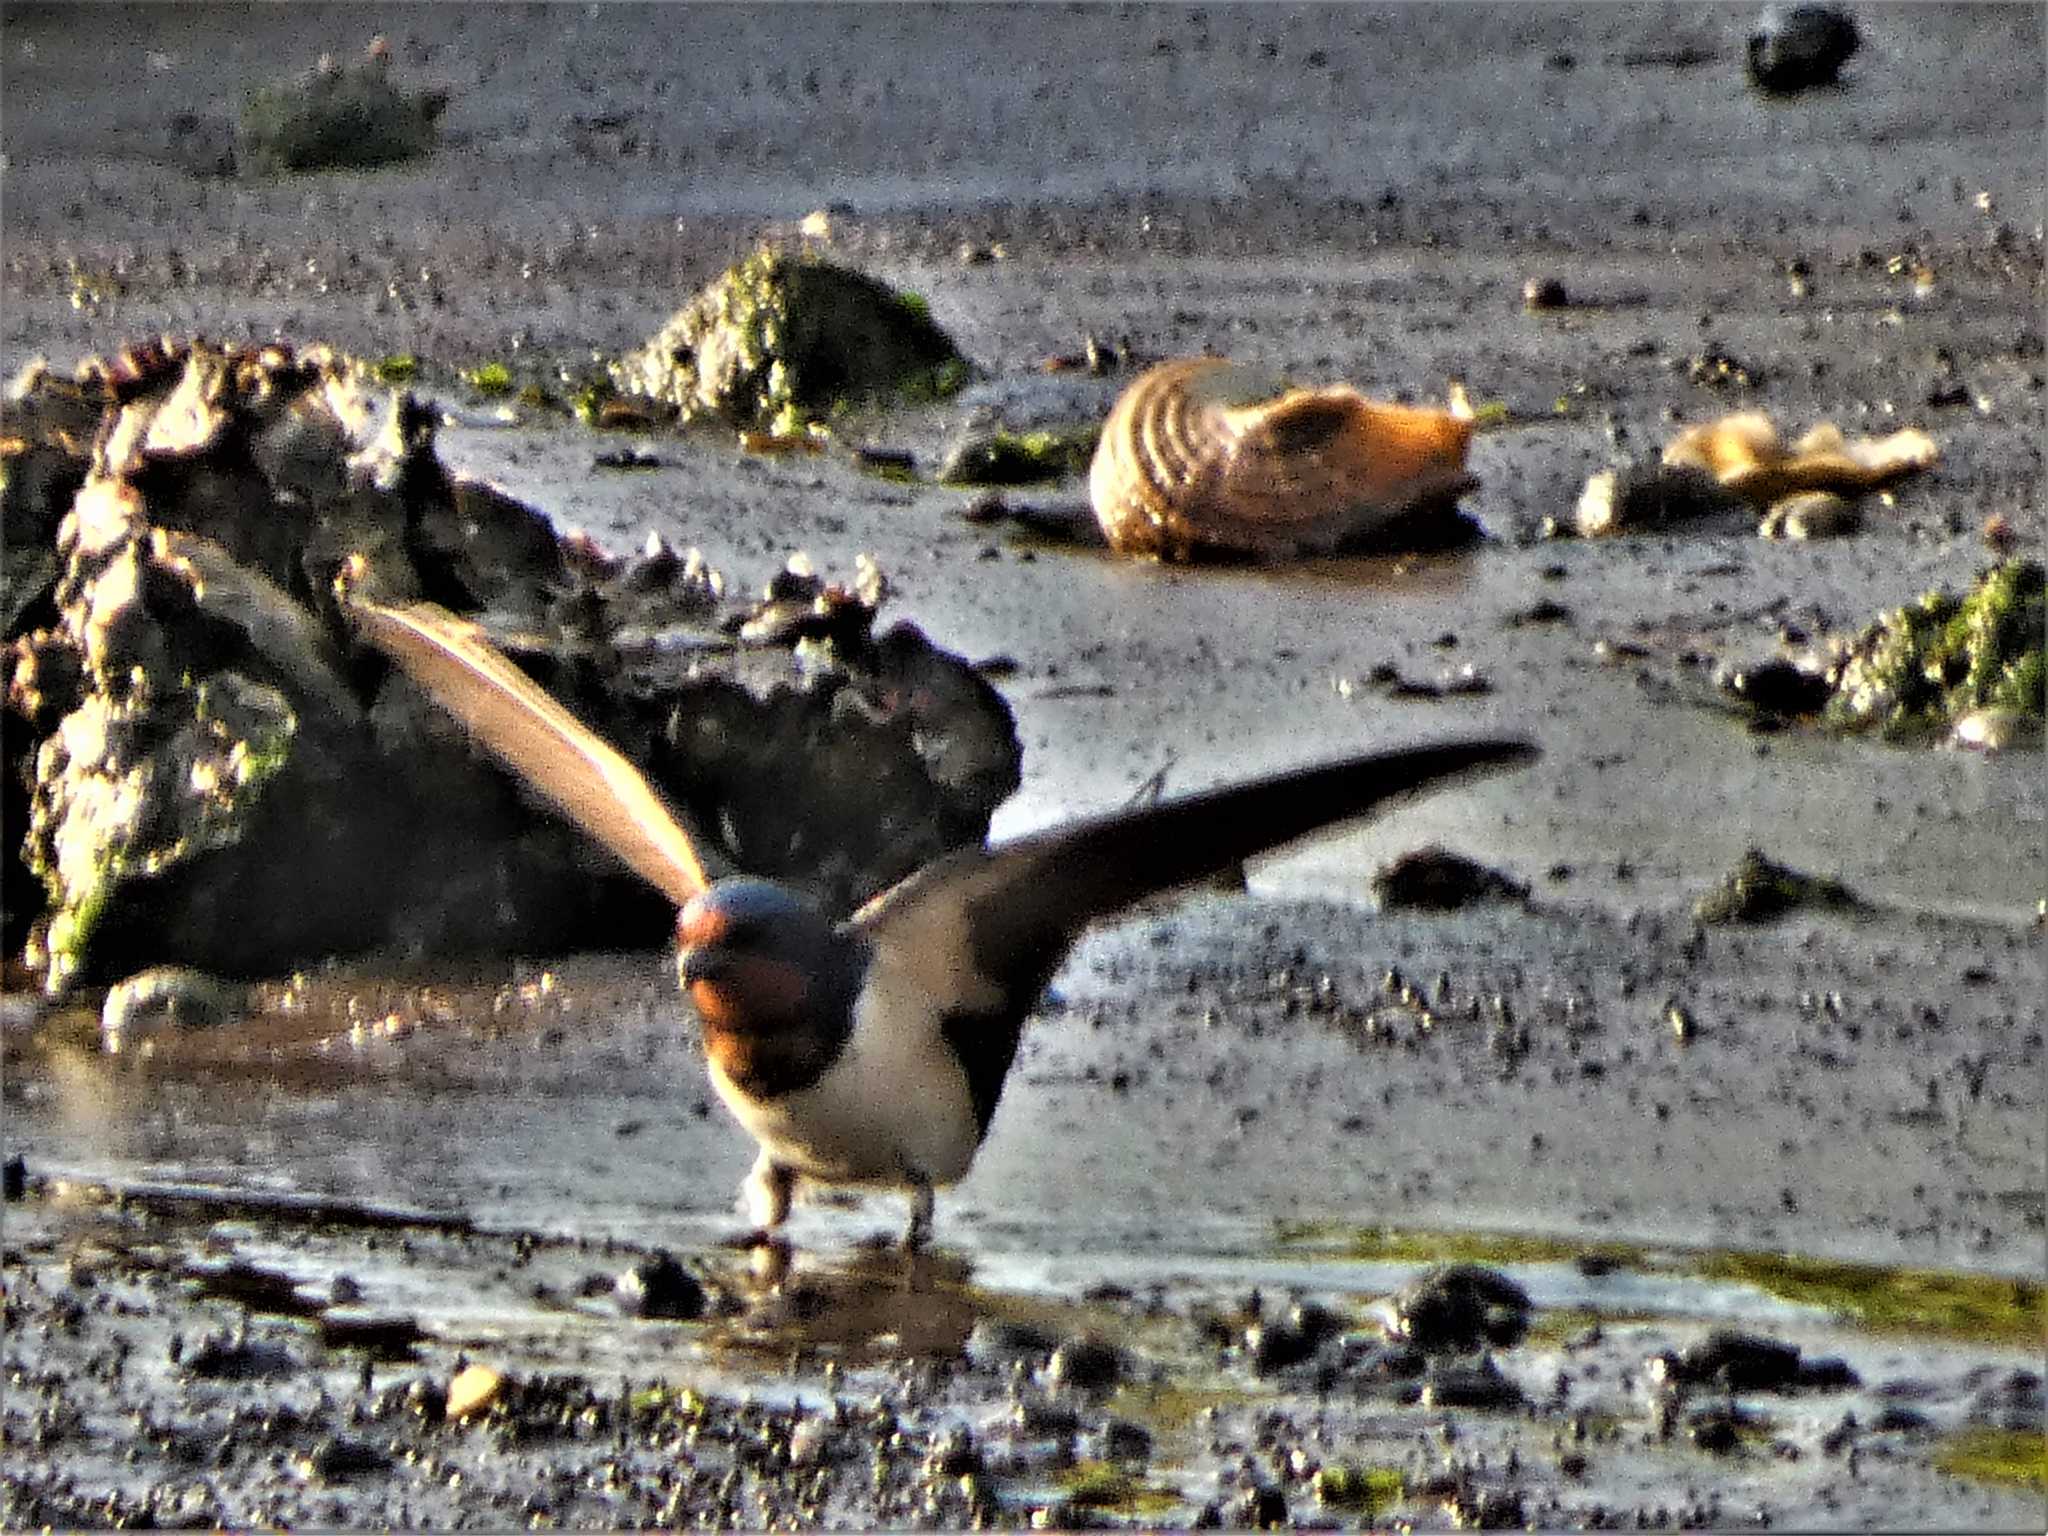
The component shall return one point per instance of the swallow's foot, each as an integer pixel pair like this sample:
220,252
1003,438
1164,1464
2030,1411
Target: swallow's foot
919,1233
767,1192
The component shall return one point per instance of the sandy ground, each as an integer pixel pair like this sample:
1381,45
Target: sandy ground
1344,192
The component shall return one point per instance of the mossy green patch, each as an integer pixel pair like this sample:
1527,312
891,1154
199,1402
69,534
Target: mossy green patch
1759,888
1919,668
396,368
335,117
2015,1456
1169,1408
1021,458
1369,1490
491,378
1103,1485
1992,1309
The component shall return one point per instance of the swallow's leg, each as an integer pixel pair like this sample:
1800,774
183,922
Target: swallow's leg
768,1190
920,1229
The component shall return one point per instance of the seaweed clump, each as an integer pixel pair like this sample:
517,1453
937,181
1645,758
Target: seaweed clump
1921,669
783,338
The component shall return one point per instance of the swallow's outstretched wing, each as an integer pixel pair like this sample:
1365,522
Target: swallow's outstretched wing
990,926
521,724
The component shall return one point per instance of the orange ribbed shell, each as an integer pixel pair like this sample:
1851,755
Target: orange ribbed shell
1204,454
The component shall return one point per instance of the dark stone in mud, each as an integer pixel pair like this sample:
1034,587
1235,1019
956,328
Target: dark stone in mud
1085,1364
1775,687
222,779
236,1357
1747,1362
780,339
1648,495
1436,880
659,1286
336,1458
1451,1385
1759,889
1460,1307
1793,48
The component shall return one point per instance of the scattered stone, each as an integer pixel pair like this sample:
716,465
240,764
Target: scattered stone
166,998
1085,1364
1794,48
1434,879
1810,515
1458,1308
1540,293
1646,496
1759,889
659,1286
997,456
1775,687
1454,1384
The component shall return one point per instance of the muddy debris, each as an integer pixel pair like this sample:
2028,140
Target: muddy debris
659,1286
1759,889
780,340
1202,457
191,723
1649,497
337,116
1810,515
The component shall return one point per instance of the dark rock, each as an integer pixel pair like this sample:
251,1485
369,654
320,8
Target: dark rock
1793,48
1460,1307
1648,495
660,1287
1740,1362
1448,1384
1776,687
1759,889
1437,880
1085,1364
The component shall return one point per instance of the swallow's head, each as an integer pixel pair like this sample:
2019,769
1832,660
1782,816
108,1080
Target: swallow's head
773,978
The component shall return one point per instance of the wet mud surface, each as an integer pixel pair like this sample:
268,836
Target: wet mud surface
1230,1094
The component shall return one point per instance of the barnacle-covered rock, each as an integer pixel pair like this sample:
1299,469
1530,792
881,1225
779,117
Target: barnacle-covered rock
336,115
780,339
1201,455
211,772
1924,668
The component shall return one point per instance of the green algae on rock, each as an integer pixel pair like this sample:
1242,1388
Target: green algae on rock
1759,888
1019,458
336,116
782,338
1923,668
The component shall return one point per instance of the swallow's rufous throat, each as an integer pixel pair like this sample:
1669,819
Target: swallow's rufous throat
873,1051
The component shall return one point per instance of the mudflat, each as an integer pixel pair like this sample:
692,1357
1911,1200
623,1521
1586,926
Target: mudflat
1283,1091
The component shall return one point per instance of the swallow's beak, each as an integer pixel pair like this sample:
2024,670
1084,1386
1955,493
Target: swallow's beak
696,964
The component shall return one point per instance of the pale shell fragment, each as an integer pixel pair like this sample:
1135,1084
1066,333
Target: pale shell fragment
1746,453
1204,454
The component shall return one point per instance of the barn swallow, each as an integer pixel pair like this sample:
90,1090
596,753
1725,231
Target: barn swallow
873,1051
